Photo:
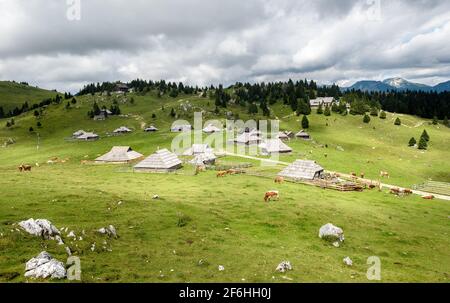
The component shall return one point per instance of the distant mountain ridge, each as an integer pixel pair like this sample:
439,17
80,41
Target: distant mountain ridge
397,84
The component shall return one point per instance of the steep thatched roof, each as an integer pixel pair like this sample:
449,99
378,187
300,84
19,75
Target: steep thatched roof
252,137
119,154
271,146
122,129
151,129
160,160
78,133
303,134
302,170
202,159
88,136
211,129
198,149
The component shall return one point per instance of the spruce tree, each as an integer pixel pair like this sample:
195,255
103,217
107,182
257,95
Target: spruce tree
305,122
327,111
435,120
423,143
2,113
412,142
425,135
398,122
366,118
31,129
320,109
172,113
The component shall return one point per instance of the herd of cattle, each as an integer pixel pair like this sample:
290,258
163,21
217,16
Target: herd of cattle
273,194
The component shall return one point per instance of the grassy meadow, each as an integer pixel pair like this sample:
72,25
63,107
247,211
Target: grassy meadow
223,221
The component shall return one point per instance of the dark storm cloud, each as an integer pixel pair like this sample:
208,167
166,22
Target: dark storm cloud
213,41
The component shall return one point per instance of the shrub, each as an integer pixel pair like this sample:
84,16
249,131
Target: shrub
366,118
374,112
382,114
423,143
320,110
425,135
327,111
183,220
305,122
435,120
31,129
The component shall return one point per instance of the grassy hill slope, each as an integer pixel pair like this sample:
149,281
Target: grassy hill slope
226,222
15,94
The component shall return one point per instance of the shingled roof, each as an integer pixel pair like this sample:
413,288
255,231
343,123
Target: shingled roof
274,146
119,154
302,170
160,160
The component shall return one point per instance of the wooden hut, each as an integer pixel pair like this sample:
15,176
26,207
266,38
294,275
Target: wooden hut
302,170
119,154
161,161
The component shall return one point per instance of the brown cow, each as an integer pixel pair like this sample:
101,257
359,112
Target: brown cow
384,174
353,174
221,174
395,191
279,180
24,167
270,195
407,191
430,197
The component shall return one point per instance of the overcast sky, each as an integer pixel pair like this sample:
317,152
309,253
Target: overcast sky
211,41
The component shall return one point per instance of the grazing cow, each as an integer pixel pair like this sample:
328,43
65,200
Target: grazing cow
407,191
430,197
273,194
353,174
221,174
395,191
24,167
384,174
372,186
279,180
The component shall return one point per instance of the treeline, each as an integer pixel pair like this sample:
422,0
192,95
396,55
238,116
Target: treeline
26,107
423,104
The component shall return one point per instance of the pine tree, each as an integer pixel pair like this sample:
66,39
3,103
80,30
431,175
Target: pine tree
425,135
13,122
382,114
39,124
423,143
398,122
412,142
374,112
8,124
435,120
153,116
366,118
320,109
445,121
2,113
68,105
305,122
327,111
31,129
172,113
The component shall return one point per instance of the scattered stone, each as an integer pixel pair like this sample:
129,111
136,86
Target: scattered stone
284,266
110,231
331,233
59,240
39,227
336,244
221,268
68,251
93,247
155,197
348,261
72,235
45,266
80,238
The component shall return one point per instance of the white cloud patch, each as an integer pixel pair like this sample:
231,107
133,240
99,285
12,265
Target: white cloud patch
204,42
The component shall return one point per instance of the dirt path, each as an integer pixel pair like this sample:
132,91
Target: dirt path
389,186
